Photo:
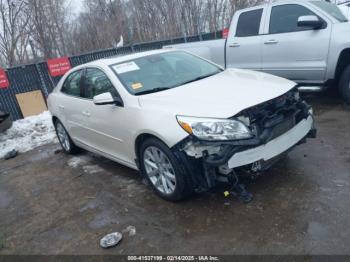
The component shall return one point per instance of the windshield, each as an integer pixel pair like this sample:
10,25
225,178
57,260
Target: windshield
331,9
159,72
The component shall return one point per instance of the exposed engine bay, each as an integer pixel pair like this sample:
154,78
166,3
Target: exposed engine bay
267,121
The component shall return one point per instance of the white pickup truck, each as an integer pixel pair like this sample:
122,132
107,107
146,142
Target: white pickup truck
345,8
307,41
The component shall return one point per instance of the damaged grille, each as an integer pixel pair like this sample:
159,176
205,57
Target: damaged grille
277,116
283,127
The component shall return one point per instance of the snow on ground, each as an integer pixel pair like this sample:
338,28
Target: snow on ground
77,161
27,134
131,230
83,161
93,169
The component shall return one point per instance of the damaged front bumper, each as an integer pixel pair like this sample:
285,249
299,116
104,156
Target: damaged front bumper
273,148
279,125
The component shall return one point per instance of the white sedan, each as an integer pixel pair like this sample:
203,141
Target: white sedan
183,121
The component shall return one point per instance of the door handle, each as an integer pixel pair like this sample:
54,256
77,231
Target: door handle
86,113
61,107
271,42
234,45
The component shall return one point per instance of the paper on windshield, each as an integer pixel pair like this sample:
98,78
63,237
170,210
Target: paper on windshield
126,67
137,86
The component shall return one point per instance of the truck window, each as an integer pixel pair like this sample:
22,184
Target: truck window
249,23
284,18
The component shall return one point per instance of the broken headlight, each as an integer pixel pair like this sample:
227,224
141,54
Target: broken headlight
214,129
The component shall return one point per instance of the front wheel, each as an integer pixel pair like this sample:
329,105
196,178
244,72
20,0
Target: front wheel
344,85
162,169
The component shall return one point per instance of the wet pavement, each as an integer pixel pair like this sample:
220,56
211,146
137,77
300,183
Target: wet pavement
52,203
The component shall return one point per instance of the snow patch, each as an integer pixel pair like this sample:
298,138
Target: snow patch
77,161
131,230
93,169
83,161
27,134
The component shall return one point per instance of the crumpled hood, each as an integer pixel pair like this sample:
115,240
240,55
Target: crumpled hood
222,96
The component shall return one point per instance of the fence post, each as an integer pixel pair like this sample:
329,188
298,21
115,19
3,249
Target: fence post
42,81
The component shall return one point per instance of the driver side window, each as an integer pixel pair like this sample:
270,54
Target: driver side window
96,82
284,18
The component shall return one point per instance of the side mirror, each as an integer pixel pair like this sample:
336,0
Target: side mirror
310,21
107,99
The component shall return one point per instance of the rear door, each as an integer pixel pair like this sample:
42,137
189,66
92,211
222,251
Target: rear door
243,48
71,105
293,52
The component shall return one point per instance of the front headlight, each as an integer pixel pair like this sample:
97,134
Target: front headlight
214,129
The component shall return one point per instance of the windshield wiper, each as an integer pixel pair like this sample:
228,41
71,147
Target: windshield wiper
154,90
198,78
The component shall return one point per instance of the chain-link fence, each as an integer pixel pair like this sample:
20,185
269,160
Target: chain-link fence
36,76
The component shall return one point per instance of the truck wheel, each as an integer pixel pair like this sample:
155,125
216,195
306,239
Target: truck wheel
161,168
344,85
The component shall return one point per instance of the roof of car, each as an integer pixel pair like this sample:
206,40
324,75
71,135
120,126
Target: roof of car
299,0
122,58
274,1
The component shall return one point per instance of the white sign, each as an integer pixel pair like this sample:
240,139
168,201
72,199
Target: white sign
126,67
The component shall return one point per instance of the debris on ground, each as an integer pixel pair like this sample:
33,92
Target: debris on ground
131,230
27,134
11,154
58,151
111,240
5,121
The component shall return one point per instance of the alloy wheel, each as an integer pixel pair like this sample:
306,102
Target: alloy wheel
63,136
159,170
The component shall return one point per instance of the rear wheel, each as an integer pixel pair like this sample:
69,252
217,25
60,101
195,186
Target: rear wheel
63,137
161,168
344,85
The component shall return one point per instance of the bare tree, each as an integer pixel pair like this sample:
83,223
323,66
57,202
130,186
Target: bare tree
45,28
49,23
14,34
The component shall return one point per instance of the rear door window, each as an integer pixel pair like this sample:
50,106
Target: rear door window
249,23
72,84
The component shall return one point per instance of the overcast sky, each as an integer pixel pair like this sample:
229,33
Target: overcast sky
76,5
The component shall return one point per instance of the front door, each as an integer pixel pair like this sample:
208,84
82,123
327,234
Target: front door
293,52
104,122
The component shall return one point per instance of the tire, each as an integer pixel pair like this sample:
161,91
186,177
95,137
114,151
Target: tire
163,171
66,143
344,85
